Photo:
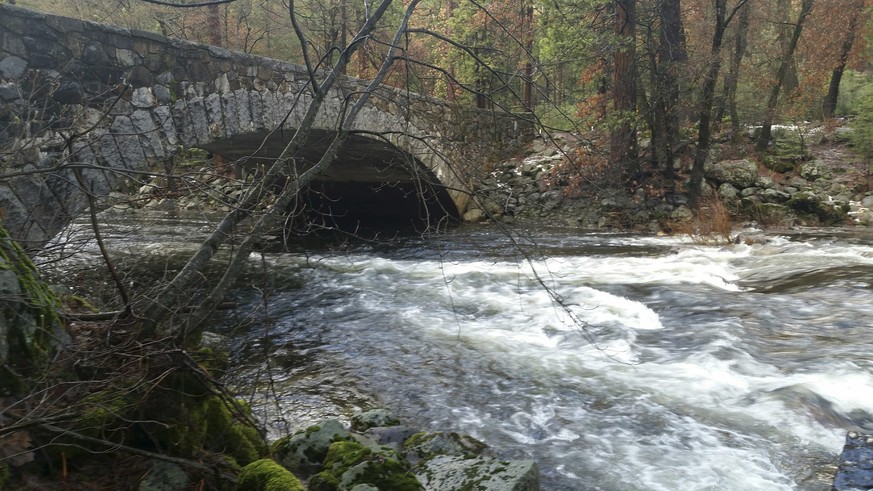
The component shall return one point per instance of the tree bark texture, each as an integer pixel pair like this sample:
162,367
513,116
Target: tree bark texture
786,63
707,96
829,105
671,54
623,140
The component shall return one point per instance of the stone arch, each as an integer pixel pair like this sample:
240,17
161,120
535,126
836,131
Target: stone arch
134,99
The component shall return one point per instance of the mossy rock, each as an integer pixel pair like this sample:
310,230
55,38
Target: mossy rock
374,418
779,165
164,476
811,205
267,475
427,445
350,465
31,331
456,473
227,435
304,452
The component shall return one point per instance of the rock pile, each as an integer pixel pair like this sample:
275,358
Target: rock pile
378,453
824,186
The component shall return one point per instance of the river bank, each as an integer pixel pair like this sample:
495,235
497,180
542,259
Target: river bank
365,341
812,177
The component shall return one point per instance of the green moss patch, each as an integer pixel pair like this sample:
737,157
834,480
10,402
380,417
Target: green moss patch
267,475
31,331
349,464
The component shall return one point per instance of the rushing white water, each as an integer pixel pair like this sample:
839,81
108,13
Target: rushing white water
617,362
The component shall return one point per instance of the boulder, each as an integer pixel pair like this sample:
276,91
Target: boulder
349,465
474,215
374,417
682,214
456,473
812,171
426,445
164,476
739,173
268,475
304,452
855,470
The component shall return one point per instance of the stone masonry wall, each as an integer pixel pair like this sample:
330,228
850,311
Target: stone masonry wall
114,101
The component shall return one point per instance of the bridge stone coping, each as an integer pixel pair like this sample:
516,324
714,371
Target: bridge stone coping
119,102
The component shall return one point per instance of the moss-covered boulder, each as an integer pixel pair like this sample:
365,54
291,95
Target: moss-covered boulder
456,473
303,453
740,173
164,476
30,330
351,465
427,445
267,475
378,417
824,210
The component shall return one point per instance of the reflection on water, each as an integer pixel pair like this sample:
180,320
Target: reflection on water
617,361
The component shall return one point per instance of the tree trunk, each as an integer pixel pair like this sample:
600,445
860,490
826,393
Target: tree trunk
274,216
671,53
733,77
344,27
623,140
528,66
707,96
787,60
213,22
785,33
169,297
829,106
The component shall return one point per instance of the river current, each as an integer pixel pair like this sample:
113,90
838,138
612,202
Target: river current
617,362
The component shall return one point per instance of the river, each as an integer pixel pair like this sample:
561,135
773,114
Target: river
616,361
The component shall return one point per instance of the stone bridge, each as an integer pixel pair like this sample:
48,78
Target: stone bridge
120,104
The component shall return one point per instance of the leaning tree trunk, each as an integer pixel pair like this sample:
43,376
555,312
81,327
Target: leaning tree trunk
274,216
172,294
829,106
729,98
707,96
786,64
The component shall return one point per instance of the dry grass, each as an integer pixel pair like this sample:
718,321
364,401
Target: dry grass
712,224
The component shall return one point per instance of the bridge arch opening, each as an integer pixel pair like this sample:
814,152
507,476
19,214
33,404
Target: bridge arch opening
372,187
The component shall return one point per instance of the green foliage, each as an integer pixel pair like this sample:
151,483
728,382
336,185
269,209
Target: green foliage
862,125
855,87
267,475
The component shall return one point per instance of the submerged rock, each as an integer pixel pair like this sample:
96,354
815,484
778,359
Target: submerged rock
855,471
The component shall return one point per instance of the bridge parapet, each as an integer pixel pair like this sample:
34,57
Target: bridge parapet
117,101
